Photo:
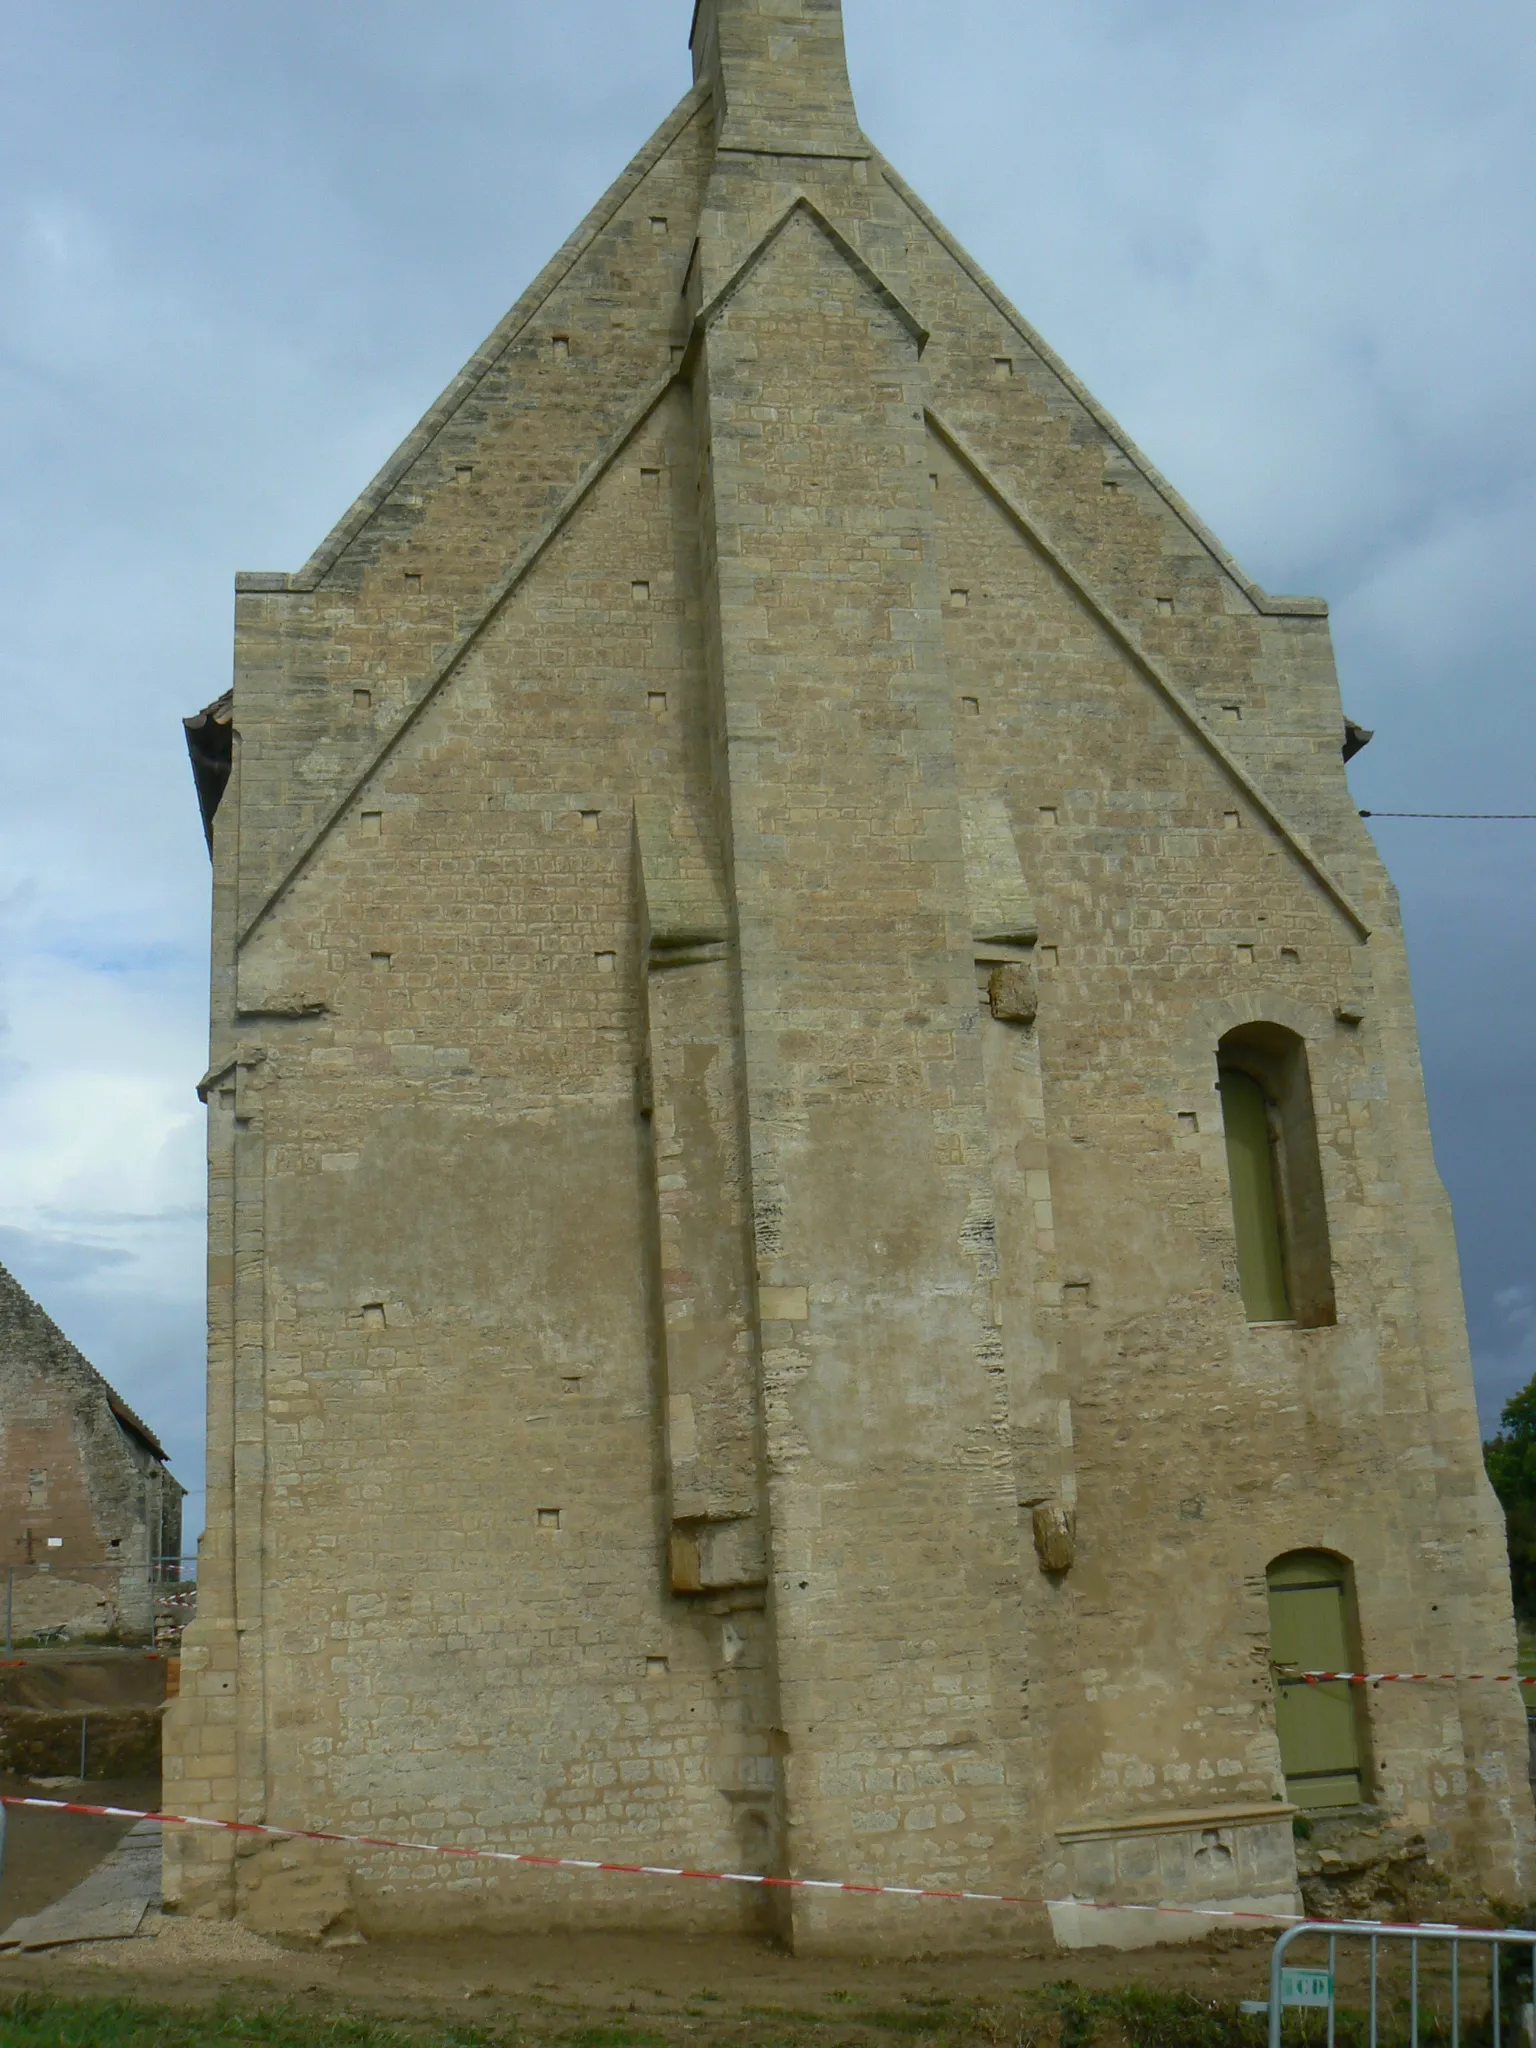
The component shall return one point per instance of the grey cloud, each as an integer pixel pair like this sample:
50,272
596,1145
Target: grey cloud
242,249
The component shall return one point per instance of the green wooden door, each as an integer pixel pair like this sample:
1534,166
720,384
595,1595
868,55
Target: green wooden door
1318,1724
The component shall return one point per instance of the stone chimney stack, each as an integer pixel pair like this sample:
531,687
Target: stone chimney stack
780,74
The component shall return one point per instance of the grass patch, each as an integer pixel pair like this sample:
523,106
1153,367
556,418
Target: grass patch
1150,2019
613,2037
1064,2016
33,2022
1136,2018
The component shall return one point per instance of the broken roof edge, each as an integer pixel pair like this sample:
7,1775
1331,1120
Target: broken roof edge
125,1415
137,1426
1262,600
485,358
210,737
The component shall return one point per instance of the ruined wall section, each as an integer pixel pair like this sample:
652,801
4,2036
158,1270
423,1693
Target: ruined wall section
86,1505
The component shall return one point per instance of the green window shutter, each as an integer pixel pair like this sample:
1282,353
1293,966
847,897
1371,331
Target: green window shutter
1255,1206
1318,1725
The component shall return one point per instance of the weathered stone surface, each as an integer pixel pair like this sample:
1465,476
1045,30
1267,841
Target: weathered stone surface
1055,1530
1002,912
87,1505
1014,994
1359,1866
654,1279
1231,1859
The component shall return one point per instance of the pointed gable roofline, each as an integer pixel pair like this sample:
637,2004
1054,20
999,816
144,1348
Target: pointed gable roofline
503,336
534,552
19,1310
1130,645
481,363
609,454
864,271
1262,600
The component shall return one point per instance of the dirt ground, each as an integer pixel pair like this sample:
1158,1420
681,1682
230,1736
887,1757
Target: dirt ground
655,1987
552,1985
531,1978
47,1854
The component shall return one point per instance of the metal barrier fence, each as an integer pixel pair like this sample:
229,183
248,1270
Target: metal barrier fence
1507,2022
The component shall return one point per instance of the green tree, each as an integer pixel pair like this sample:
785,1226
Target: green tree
1511,1462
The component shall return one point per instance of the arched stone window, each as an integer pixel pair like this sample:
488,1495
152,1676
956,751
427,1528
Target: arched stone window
1278,1212
1312,1628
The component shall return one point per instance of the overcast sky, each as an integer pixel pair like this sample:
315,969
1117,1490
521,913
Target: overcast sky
242,248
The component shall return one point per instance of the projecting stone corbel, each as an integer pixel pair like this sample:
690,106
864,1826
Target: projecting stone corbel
1353,1000
243,1061
682,894
1012,993
214,1076
284,1008
1055,1530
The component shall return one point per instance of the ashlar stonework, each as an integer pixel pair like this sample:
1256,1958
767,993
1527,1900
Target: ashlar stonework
822,1207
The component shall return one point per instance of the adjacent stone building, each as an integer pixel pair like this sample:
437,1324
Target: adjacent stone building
824,1240
89,1513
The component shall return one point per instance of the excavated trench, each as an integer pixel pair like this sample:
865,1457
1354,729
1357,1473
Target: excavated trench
102,1706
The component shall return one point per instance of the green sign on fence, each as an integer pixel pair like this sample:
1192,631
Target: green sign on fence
1306,1987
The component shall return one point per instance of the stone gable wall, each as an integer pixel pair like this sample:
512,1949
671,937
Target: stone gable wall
725,1340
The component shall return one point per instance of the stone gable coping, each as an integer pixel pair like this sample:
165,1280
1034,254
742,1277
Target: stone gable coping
1263,601
1127,640
525,562
859,265
484,360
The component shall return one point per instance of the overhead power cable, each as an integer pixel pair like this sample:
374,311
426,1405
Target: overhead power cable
1525,817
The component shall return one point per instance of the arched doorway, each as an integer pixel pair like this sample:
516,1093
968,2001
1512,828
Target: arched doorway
1310,1629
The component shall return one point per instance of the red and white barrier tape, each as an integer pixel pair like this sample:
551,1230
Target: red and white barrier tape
1406,1677
794,1884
